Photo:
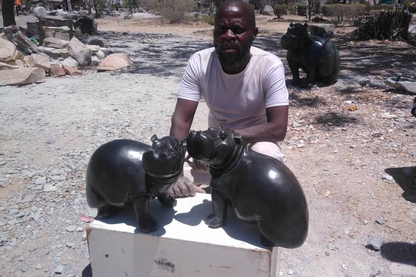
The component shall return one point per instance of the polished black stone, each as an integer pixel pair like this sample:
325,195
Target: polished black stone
316,55
259,188
122,172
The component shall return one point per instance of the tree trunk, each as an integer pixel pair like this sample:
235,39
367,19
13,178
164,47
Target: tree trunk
130,6
68,6
7,10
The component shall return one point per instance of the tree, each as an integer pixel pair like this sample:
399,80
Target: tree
7,11
311,4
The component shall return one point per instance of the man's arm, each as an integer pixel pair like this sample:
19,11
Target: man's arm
274,130
181,123
182,118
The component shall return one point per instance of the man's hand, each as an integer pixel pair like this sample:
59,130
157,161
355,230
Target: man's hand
200,165
185,188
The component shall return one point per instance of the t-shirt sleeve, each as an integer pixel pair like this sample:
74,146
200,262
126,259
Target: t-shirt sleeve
190,86
275,83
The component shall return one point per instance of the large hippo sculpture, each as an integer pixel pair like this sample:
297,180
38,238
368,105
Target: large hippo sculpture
121,172
316,55
259,188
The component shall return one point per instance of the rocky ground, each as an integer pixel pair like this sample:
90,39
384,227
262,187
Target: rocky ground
351,145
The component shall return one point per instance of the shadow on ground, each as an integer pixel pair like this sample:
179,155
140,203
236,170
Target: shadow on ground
399,252
87,272
335,119
405,177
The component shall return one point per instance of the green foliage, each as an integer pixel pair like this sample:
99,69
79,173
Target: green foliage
382,7
342,13
210,19
392,25
411,6
279,10
145,4
99,7
302,10
174,10
282,9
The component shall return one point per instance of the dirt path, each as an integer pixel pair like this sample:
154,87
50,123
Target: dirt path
351,145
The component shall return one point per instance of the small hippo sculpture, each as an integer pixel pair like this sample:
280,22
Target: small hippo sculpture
317,56
121,172
259,188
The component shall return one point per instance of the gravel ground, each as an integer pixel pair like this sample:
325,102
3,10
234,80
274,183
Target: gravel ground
351,145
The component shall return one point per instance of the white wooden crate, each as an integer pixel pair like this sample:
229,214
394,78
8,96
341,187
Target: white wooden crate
182,247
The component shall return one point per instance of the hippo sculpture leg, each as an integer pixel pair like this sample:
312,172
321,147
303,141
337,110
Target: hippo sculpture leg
121,172
259,188
317,56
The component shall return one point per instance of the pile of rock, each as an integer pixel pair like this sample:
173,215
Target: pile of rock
56,57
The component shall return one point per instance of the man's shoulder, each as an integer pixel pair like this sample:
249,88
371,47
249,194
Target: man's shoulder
202,58
204,52
261,54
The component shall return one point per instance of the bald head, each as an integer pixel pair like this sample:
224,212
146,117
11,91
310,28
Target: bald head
236,6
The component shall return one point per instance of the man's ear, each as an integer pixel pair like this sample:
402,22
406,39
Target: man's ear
255,32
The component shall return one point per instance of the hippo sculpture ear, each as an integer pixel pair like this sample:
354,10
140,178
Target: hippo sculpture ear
291,24
153,138
237,138
305,25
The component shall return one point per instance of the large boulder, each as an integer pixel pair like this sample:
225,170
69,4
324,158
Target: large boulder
55,43
6,66
57,70
97,41
55,52
72,71
79,52
267,10
40,12
93,48
22,76
7,50
38,60
71,62
115,62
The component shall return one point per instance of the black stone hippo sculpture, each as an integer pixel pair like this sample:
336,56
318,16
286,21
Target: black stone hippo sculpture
317,56
121,172
259,188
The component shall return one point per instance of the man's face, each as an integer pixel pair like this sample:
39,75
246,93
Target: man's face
233,35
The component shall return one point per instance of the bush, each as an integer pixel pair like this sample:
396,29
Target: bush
279,10
411,6
392,25
382,7
342,13
99,7
318,19
174,10
210,19
136,4
302,10
291,8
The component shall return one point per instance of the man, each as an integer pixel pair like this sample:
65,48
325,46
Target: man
243,86
18,7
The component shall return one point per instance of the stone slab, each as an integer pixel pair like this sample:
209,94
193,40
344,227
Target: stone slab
7,50
114,62
22,76
182,246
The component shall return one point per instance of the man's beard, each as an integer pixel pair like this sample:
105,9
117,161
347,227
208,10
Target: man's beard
234,59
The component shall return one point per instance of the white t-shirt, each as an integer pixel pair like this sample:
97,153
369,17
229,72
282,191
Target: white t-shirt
235,100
